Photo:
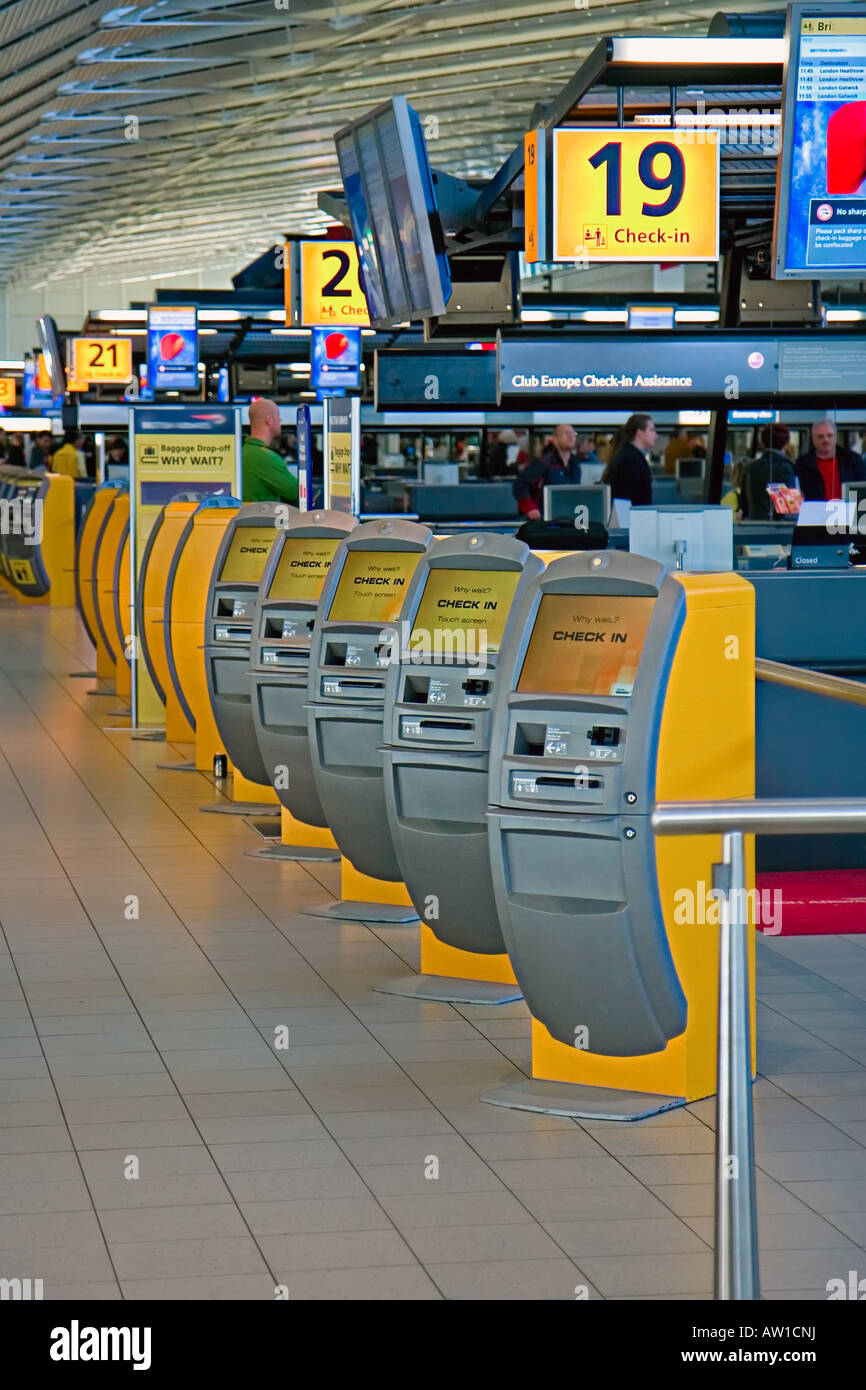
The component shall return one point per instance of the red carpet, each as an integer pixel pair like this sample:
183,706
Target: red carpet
827,903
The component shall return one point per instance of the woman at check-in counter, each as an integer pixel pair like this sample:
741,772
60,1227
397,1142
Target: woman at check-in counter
628,472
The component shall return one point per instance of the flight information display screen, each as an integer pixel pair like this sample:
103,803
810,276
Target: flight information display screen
469,600
248,552
586,644
373,585
821,205
303,567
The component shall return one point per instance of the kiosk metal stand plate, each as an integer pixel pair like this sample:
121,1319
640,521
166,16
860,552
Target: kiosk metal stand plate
349,911
581,1102
310,854
445,990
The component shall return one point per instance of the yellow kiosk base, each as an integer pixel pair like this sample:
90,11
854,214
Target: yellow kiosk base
300,842
243,791
366,899
451,976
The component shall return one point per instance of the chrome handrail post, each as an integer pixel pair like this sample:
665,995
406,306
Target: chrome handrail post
736,1243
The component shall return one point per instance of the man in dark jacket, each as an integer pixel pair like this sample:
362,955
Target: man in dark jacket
628,471
825,467
558,464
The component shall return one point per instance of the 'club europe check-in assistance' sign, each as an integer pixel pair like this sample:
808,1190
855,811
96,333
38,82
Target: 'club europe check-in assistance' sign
635,195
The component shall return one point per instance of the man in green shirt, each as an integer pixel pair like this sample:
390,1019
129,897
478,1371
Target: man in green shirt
265,475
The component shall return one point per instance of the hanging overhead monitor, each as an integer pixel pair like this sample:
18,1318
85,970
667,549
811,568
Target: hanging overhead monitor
821,193
395,222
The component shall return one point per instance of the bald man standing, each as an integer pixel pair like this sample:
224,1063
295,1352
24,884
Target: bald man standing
265,475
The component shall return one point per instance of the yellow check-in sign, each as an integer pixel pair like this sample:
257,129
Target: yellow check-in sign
331,291
7,391
635,195
98,361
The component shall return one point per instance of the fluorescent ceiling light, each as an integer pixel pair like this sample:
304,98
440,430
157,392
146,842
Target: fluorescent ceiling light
696,316
536,316
605,316
844,315
647,51
12,366
300,367
120,315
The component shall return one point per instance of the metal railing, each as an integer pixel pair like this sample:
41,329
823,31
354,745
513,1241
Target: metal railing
815,682
736,1224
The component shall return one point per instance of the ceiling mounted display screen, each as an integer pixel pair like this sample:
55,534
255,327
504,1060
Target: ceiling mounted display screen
395,222
821,195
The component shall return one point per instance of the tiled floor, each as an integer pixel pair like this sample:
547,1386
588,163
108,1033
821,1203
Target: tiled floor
154,1142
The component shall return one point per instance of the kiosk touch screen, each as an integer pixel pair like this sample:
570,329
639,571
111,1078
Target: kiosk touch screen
249,549
585,645
372,586
456,602
303,567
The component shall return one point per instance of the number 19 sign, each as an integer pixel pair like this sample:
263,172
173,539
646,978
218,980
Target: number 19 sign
635,195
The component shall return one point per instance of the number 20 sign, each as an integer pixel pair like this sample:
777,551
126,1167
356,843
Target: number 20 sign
648,194
330,289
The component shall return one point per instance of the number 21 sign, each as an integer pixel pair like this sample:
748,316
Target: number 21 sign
647,194
97,360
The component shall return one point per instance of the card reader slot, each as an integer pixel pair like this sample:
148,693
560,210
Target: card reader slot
568,779
446,724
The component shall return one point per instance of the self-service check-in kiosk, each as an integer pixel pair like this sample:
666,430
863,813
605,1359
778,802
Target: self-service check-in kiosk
113,535
354,641
231,603
619,684
150,605
437,731
285,615
38,541
185,609
85,566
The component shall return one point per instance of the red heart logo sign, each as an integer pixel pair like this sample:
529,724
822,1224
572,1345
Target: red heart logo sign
170,345
335,345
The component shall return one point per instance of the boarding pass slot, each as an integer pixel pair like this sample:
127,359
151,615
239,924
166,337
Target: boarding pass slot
580,785
341,687
448,730
232,632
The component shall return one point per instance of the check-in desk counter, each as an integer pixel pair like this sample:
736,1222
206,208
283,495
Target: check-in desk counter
436,760
611,688
809,744
231,604
354,640
283,623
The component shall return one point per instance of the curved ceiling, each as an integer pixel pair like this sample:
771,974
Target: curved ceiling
182,132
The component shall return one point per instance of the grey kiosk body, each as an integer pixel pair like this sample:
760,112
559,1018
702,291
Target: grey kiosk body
355,640
438,714
228,636
572,782
284,619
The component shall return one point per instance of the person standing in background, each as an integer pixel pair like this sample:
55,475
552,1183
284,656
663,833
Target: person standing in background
826,465
265,476
558,464
773,466
69,458
628,472
40,454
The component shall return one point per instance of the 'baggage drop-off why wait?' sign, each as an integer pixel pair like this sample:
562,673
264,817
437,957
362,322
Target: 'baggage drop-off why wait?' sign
635,195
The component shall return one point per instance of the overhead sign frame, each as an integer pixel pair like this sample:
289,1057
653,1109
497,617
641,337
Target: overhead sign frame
607,194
